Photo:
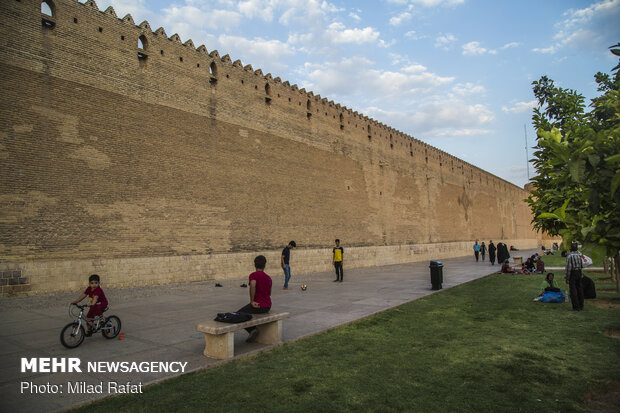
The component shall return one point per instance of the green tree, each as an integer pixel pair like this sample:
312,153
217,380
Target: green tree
577,160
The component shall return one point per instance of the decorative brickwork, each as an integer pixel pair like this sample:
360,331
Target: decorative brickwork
123,146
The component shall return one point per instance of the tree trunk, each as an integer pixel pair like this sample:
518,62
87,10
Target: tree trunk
606,266
616,271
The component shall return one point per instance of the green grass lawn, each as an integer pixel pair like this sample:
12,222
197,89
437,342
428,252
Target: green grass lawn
480,347
556,260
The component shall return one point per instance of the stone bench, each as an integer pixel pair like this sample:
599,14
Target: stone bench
220,337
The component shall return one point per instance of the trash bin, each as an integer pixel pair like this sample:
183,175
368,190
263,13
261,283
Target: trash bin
436,274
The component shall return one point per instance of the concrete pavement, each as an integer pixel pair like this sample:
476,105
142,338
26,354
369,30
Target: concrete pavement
159,324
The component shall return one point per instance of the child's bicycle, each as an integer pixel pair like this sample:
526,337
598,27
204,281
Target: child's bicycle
73,334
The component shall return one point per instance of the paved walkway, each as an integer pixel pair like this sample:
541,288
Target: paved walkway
159,323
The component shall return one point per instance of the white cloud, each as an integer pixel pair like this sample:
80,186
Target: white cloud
509,45
296,38
411,34
545,50
592,28
414,68
429,3
304,12
520,107
468,88
357,77
261,53
401,18
476,49
137,8
193,19
451,132
337,32
445,41
256,8
440,118
355,17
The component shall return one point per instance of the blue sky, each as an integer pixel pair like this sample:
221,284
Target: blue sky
455,74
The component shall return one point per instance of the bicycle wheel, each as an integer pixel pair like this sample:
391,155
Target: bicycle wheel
111,327
72,335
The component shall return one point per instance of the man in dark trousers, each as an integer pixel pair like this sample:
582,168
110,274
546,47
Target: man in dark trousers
573,275
286,257
338,252
492,250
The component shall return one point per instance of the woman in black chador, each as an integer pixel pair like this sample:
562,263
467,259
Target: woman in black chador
492,250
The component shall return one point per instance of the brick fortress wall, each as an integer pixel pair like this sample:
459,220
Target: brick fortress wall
129,153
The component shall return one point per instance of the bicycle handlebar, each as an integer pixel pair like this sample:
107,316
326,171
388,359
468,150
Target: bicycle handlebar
81,307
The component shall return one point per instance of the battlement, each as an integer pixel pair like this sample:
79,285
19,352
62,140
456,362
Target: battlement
154,52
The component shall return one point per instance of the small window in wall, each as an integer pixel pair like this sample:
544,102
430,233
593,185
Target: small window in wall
48,18
341,121
142,42
268,93
47,8
309,109
142,47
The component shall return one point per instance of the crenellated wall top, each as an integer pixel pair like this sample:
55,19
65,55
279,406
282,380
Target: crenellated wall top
176,45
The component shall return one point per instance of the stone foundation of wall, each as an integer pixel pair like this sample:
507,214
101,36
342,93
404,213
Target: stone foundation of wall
44,277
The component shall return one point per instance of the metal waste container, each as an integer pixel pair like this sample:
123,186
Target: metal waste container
436,274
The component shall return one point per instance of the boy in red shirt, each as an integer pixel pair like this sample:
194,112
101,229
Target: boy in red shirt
98,301
260,294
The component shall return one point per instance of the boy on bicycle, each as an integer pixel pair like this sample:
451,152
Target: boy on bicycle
98,301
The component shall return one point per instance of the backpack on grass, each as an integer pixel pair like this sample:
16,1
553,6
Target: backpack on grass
553,297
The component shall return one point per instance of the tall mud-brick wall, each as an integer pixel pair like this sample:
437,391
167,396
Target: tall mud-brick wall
127,152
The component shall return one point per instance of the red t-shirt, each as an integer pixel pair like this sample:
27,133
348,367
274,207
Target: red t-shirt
263,288
101,300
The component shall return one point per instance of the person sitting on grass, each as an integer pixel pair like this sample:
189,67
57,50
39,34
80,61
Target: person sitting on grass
98,302
507,269
548,285
540,265
530,265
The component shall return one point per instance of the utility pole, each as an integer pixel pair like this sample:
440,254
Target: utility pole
527,161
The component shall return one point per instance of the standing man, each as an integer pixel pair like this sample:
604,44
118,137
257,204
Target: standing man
338,252
260,294
573,276
483,250
492,250
286,256
476,250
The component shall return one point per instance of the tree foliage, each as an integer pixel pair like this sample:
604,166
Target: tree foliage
577,160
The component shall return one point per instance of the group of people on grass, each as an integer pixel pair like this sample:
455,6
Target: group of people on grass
580,286
533,265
